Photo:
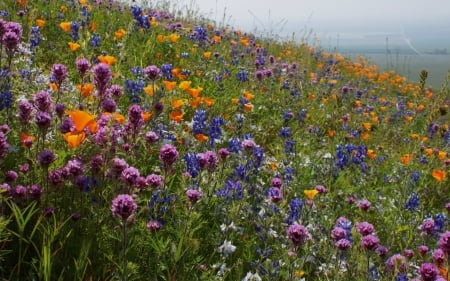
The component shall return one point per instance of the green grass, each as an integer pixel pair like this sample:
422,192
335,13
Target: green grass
221,151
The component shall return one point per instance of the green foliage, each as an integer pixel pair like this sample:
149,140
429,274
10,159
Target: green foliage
284,111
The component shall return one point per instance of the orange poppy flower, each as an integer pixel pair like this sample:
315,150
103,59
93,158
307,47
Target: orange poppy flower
109,60
40,23
234,101
217,38
194,104
428,151
82,2
22,3
120,33
194,92
438,175
310,193
207,55
161,38
174,37
54,87
331,133
146,115
86,89
201,137
169,85
248,107
92,26
63,9
74,46
74,139
150,90
176,104
65,26
26,138
406,158
367,126
176,116
371,154
81,119
442,154
184,85
249,96
209,101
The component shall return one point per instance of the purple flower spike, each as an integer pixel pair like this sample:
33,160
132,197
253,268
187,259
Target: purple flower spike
123,206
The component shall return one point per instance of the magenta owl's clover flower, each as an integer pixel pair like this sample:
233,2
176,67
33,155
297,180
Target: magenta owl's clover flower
135,118
444,242
151,137
396,262
276,182
154,180
428,271
46,157
364,205
123,206
83,66
154,226
370,242
59,73
208,160
25,109
193,195
168,154
343,244
43,120
42,101
438,256
130,176
365,228
152,72
298,234
102,76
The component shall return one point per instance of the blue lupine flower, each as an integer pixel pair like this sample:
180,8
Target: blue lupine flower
243,76
231,191
295,210
289,146
35,37
215,131
234,145
440,220
166,70
258,155
6,100
199,122
285,132
95,40
199,35
413,202
74,29
192,164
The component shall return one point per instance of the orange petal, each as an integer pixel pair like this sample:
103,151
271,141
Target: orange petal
74,139
81,119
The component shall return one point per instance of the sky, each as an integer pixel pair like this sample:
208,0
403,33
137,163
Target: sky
338,22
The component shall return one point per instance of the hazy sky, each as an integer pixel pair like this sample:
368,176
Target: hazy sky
335,20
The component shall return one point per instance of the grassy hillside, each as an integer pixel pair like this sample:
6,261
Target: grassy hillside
139,144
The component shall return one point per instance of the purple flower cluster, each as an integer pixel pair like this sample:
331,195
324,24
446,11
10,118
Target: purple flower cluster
168,154
10,33
3,145
123,206
59,73
298,234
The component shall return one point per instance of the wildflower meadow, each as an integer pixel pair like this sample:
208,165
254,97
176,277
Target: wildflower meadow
147,143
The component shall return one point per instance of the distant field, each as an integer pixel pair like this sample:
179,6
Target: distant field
410,65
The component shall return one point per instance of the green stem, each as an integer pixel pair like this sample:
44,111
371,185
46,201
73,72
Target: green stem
124,247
